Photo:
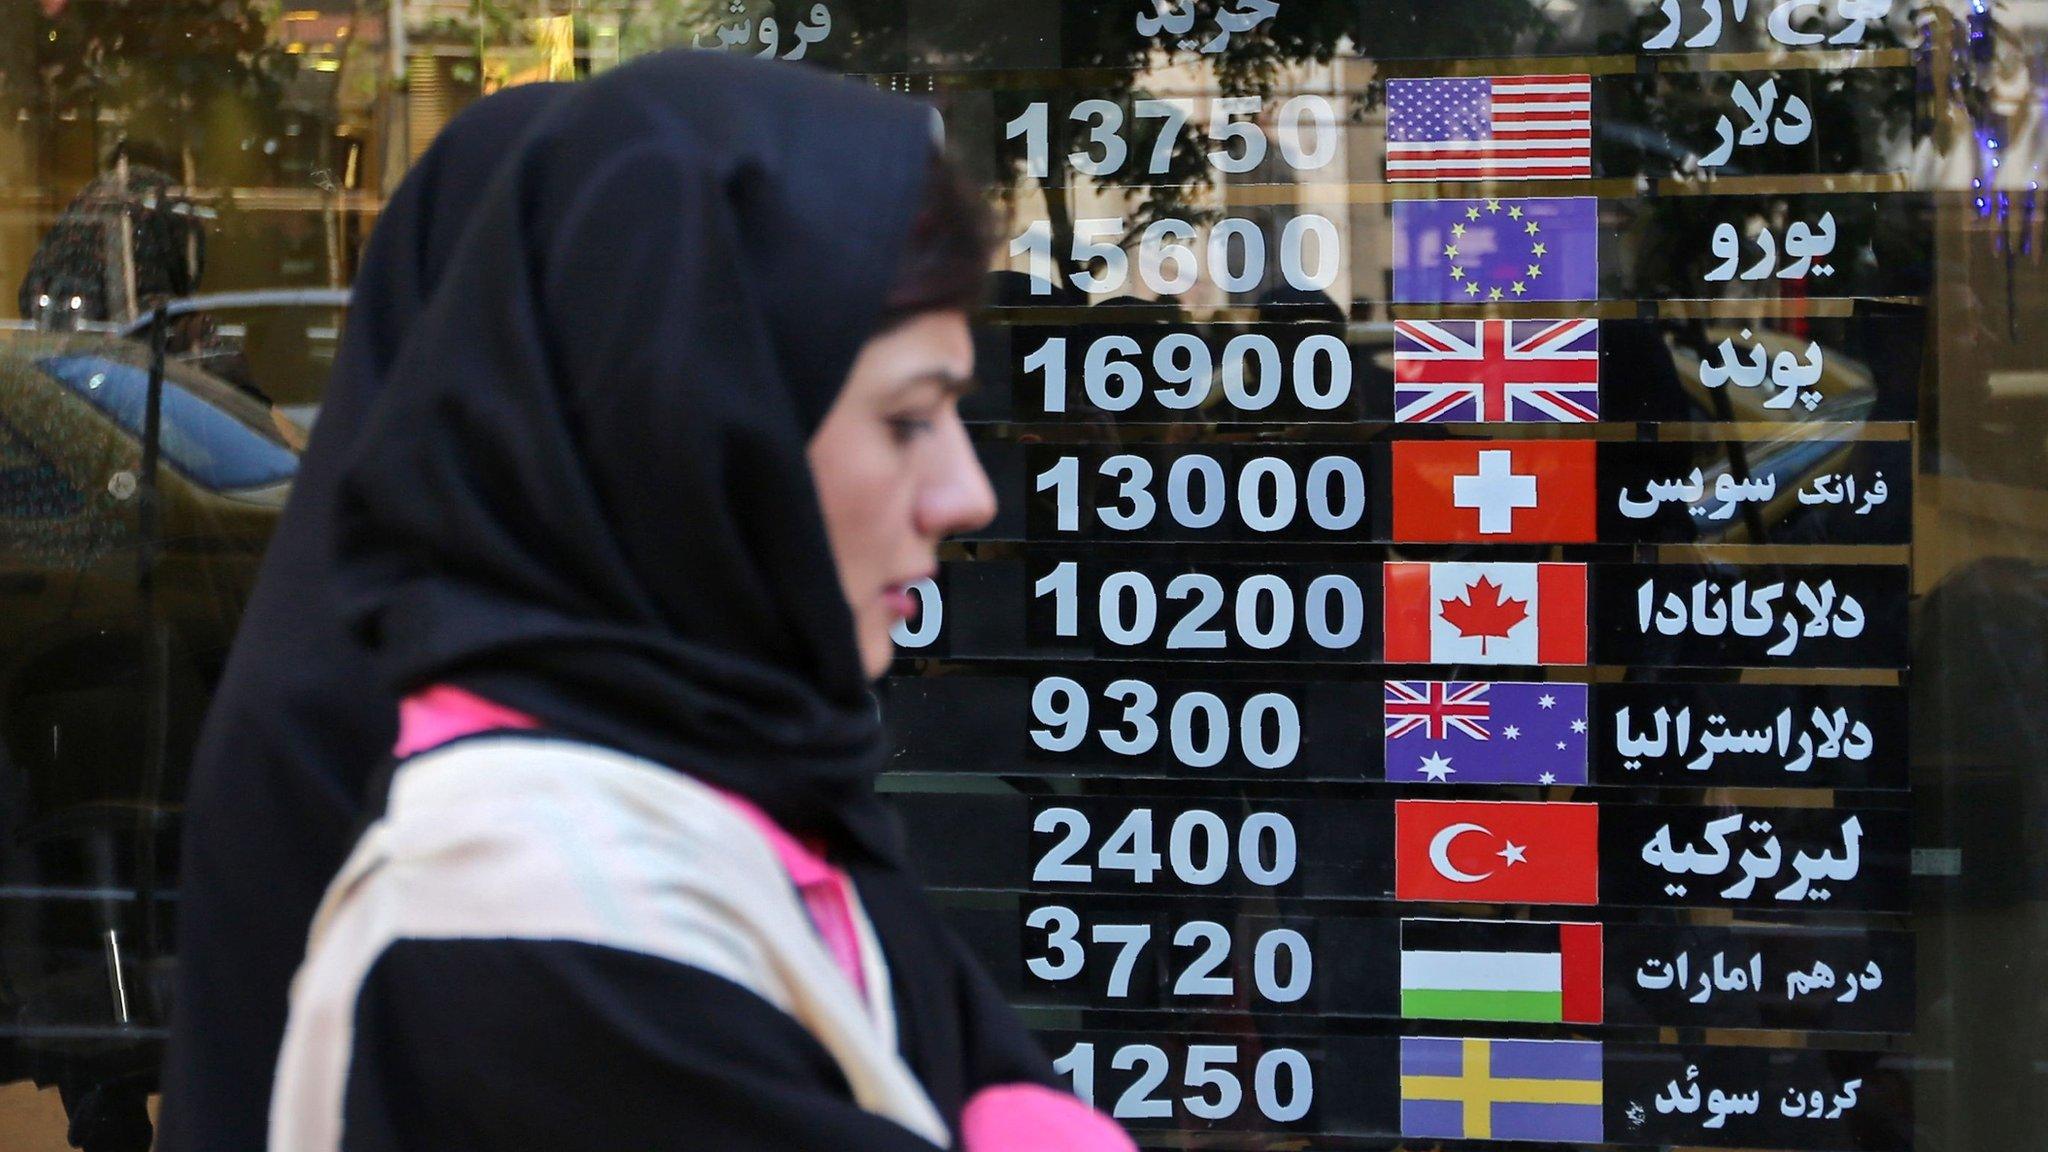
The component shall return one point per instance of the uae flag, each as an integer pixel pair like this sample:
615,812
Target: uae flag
1510,970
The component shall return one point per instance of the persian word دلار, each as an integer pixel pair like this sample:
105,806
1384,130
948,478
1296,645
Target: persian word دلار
1715,857
744,33
1714,611
1839,738
1803,243
1793,125
1177,18
1788,373
1858,14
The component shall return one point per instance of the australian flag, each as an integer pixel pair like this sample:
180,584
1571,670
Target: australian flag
1486,732
1492,250
1497,371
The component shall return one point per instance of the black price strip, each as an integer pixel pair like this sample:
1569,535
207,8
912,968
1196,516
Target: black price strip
1262,956
1156,722
1574,854
1426,1088
1455,491
1796,121
1294,369
1529,251
1105,603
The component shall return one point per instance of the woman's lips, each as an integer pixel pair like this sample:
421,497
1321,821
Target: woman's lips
902,604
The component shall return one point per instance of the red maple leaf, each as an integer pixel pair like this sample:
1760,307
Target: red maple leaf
1481,612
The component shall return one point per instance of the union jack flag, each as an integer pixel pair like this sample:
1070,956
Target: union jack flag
1439,706
1497,371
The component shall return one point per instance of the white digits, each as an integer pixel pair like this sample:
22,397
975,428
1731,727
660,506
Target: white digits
1319,376
1236,255
1128,609
1216,1089
1271,495
1267,729
1198,848
1306,134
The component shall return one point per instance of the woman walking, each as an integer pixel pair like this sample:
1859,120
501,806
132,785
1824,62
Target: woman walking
628,530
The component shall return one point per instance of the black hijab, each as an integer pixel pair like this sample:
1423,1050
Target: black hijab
297,725
586,493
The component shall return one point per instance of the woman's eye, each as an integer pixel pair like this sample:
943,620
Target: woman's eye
906,428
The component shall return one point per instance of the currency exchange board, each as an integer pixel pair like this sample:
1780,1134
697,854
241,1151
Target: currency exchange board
1440,671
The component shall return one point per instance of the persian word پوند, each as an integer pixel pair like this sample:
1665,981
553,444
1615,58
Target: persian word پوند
1791,375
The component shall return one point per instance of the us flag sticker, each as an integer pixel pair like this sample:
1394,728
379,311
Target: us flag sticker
1490,128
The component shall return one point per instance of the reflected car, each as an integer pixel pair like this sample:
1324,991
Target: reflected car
114,629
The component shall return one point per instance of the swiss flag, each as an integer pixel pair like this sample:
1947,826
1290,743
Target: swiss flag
1496,852
1481,491
1458,613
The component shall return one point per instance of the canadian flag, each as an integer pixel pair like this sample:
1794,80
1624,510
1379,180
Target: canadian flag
1492,491
1485,613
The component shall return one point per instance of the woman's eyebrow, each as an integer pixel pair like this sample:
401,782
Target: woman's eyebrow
947,382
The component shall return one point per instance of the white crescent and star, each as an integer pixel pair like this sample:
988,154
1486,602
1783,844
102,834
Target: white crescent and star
1440,853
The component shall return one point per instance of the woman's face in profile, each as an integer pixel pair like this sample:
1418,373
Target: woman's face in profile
895,473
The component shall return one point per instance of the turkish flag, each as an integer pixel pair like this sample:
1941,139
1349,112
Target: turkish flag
1496,852
1481,491
1494,613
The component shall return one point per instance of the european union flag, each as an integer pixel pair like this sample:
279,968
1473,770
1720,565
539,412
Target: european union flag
1472,1089
1496,249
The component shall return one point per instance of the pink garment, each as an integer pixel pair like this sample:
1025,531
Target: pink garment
1033,1118
433,716
443,712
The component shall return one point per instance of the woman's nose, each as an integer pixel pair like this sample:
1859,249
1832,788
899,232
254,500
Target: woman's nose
957,496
